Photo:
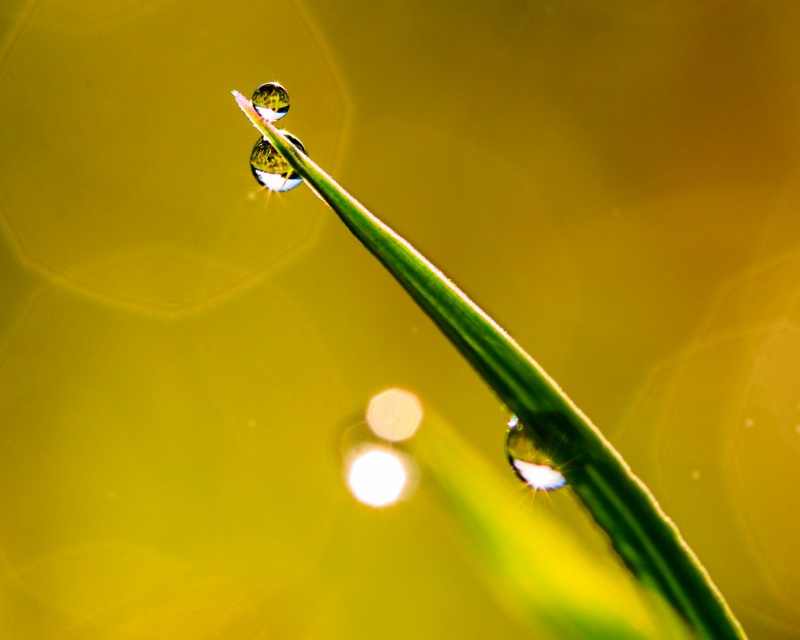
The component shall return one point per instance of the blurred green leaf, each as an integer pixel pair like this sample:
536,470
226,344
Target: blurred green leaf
537,568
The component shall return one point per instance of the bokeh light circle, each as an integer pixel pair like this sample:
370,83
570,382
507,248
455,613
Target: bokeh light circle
394,414
377,477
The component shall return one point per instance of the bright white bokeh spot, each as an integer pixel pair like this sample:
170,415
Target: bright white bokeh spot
377,477
394,414
539,476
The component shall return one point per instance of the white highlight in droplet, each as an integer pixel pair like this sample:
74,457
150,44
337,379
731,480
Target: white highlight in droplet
394,414
539,476
377,477
276,182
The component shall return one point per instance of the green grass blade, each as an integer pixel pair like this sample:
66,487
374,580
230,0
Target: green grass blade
643,536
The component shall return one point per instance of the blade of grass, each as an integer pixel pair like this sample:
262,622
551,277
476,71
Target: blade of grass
537,569
641,533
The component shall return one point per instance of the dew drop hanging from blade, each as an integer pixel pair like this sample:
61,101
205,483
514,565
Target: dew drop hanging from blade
269,167
271,101
528,462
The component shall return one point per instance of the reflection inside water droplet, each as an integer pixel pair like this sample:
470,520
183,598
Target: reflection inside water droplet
269,167
271,101
531,465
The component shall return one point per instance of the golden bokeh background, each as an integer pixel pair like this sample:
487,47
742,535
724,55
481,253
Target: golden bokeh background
181,352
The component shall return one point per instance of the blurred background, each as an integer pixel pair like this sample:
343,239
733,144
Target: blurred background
181,352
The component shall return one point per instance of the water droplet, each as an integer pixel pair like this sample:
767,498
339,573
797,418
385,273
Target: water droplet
749,422
271,101
695,475
269,167
531,465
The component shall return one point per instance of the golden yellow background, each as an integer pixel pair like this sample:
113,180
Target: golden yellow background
180,352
